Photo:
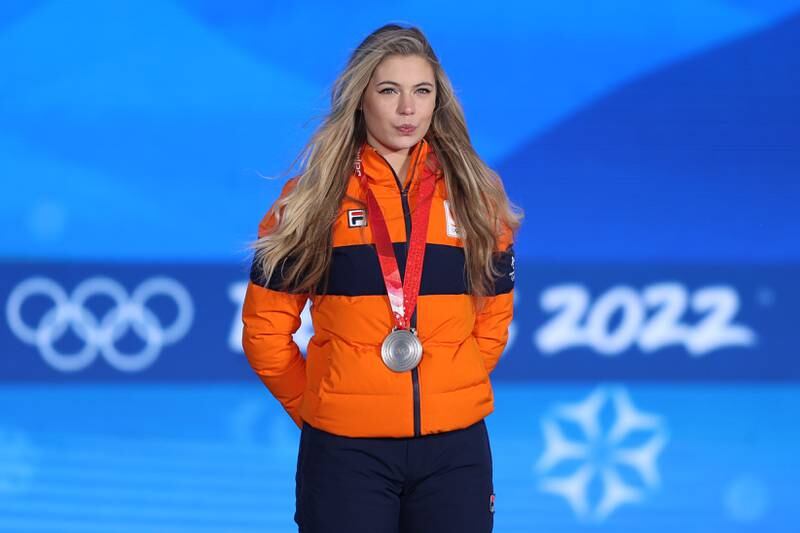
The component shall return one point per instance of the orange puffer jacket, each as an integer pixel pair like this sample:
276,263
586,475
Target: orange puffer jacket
343,386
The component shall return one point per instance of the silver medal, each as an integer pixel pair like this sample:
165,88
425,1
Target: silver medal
401,350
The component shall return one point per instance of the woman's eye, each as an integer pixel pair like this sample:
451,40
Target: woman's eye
424,90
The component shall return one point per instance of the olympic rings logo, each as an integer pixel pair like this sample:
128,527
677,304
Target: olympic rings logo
99,335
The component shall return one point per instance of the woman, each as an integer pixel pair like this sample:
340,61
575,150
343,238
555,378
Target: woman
401,237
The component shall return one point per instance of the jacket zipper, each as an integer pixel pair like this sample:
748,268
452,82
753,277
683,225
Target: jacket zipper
407,219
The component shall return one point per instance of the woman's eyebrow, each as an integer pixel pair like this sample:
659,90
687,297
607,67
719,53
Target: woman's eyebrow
395,83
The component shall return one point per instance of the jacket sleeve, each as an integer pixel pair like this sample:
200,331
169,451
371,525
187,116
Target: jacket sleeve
494,318
270,316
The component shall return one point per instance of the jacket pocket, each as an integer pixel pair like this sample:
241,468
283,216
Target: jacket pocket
318,364
478,357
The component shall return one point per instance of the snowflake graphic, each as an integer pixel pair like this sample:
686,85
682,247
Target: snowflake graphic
601,454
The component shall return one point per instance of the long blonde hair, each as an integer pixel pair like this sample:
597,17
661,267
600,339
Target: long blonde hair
299,242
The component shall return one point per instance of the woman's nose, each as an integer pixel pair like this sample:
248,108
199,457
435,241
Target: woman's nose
406,105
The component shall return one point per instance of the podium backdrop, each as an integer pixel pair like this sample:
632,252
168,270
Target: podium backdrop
651,378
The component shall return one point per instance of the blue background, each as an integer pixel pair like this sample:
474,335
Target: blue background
654,148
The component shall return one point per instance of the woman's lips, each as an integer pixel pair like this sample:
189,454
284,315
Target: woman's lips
406,130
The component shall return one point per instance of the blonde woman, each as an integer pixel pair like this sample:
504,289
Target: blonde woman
401,237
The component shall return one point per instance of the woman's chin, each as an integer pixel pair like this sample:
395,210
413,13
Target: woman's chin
401,141
395,141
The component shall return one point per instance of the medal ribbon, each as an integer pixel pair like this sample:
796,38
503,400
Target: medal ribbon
402,295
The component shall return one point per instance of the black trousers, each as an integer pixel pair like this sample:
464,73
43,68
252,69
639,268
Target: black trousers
436,483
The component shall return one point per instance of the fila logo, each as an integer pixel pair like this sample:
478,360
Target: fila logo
356,218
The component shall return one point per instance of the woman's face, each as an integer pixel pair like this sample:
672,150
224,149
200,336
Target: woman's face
399,101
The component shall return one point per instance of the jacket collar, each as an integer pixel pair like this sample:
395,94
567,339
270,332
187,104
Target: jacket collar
380,172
